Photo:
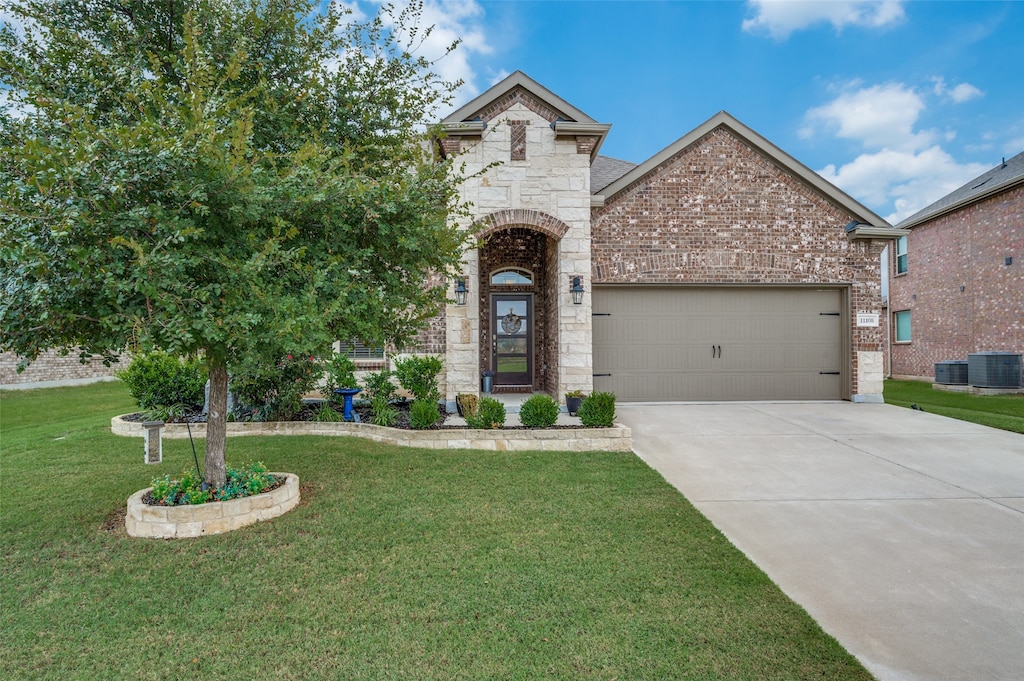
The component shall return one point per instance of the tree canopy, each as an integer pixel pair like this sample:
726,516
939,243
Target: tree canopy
231,178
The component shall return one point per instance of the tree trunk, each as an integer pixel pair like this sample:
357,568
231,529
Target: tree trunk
216,425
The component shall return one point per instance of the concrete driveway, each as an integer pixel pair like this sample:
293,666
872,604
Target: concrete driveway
900,532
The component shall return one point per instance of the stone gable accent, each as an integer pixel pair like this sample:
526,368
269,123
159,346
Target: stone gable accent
967,248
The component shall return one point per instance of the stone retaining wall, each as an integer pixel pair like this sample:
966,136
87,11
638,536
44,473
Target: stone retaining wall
217,517
615,439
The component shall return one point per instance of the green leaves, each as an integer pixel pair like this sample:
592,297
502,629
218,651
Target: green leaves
234,179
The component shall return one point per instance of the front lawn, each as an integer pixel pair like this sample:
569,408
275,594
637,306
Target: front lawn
398,564
998,411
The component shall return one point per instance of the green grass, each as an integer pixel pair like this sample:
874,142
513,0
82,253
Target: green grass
998,411
398,564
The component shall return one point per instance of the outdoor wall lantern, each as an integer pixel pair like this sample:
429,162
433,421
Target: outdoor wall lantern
577,291
460,291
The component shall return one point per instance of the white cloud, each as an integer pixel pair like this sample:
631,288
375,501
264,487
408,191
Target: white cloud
779,18
958,94
963,92
877,116
451,20
908,180
902,169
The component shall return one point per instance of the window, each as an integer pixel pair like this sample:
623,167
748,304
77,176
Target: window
901,256
357,350
513,276
901,322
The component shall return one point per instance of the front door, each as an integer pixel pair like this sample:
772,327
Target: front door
512,334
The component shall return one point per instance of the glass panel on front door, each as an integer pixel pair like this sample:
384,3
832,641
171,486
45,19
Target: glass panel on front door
512,330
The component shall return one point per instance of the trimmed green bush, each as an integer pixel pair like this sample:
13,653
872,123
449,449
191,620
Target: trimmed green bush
423,414
378,385
539,411
490,413
158,380
418,375
598,410
274,392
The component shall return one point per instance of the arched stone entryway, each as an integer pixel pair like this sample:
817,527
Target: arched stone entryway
518,310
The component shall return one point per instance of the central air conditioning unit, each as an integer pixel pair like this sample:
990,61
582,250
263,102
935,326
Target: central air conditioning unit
994,370
951,372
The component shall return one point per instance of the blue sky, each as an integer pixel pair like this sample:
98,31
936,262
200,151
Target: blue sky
896,102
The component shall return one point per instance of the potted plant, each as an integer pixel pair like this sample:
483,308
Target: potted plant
573,400
488,380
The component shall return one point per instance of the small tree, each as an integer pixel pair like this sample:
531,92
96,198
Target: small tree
228,178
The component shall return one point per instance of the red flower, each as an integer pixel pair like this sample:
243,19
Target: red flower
289,356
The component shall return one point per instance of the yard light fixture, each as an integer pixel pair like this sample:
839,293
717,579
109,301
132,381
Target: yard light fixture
577,291
460,291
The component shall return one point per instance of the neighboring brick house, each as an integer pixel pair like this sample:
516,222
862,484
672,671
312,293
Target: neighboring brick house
956,283
720,269
51,367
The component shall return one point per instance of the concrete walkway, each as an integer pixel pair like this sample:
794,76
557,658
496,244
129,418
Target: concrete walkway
900,532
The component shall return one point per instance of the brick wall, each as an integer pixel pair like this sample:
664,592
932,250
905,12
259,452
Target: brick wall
719,212
51,366
526,249
967,248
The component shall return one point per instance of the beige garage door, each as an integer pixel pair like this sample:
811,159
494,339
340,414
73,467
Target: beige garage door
663,344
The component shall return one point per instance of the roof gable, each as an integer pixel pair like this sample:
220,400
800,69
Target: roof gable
757,142
1004,176
518,88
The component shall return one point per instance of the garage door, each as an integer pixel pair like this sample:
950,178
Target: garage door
663,344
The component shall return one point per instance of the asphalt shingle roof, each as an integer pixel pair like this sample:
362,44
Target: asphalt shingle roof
1005,173
605,170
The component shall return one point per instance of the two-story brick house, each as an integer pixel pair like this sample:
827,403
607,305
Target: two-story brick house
719,269
956,284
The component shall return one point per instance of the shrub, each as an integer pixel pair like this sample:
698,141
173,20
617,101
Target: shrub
490,413
158,380
274,392
423,414
379,386
383,413
251,479
539,411
418,375
466,403
339,372
598,410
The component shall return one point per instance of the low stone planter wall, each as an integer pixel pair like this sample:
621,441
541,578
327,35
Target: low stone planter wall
216,517
618,438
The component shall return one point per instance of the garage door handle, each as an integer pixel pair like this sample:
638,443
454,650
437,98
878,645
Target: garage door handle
828,373
716,351
602,375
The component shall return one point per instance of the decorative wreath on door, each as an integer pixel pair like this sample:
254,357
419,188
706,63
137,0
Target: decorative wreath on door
511,323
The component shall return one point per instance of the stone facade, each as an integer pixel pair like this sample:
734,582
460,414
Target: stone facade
51,367
962,295
721,212
531,209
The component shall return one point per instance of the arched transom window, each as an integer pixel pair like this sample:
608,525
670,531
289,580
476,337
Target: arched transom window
511,276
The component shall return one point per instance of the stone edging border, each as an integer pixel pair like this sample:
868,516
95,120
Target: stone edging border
215,517
618,438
